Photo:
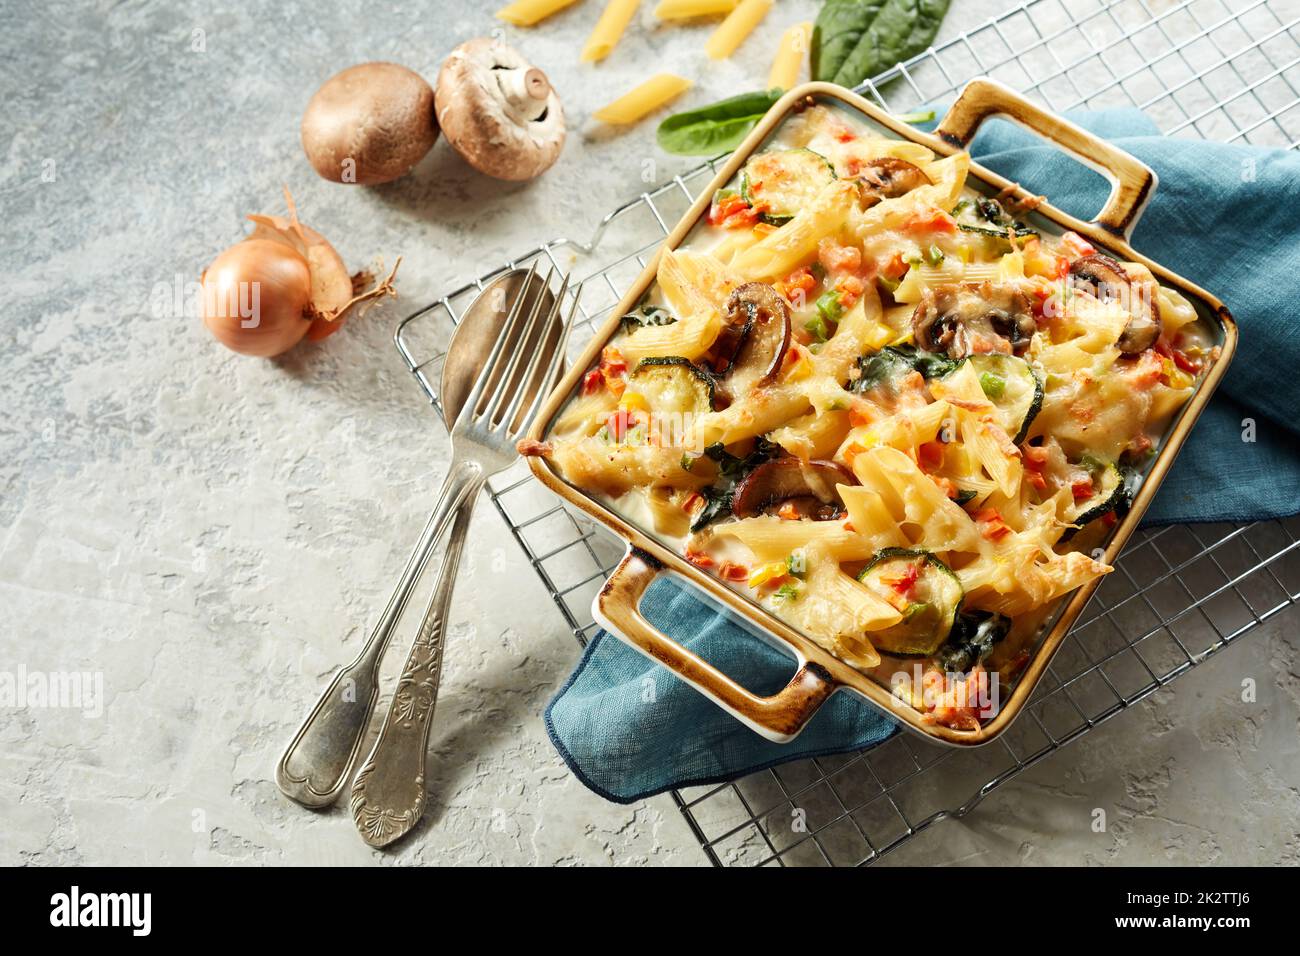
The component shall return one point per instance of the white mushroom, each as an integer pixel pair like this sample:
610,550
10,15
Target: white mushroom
498,110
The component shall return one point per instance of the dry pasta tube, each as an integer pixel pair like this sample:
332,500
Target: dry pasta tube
790,56
525,13
609,30
644,99
739,24
689,9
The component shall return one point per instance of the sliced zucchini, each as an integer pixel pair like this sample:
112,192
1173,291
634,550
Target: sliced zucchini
673,384
1108,493
1014,389
927,592
972,639
781,182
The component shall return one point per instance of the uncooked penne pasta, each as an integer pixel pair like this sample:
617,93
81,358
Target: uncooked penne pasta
789,57
644,99
609,30
739,24
525,13
689,9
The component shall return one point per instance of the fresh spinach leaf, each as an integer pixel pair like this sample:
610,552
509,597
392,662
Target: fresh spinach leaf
855,40
716,128
836,33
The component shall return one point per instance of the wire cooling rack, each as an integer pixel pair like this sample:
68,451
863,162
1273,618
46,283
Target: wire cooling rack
1224,71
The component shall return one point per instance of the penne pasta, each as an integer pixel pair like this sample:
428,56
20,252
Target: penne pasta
609,30
689,9
789,58
643,99
732,31
525,13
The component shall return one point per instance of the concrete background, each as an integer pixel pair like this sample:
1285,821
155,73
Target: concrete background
213,534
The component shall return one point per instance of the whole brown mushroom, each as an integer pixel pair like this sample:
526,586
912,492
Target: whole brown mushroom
369,124
499,111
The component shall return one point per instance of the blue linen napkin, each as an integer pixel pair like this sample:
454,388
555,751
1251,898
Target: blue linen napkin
1225,217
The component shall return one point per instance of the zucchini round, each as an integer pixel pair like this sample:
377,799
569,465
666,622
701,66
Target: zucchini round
1014,389
1108,494
929,593
673,384
778,183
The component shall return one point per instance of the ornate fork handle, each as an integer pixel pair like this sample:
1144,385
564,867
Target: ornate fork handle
388,794
315,765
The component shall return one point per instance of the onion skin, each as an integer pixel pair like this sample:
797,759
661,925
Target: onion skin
256,297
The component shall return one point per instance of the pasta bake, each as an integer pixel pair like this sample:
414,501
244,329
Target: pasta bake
880,404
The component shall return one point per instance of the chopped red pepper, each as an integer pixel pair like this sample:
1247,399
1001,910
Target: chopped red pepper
1081,489
592,382
896,267
906,581
619,422
788,511
612,368
994,528
733,572
1075,245
699,559
930,455
934,221
731,212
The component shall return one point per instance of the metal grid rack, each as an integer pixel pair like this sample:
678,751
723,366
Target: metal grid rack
1208,68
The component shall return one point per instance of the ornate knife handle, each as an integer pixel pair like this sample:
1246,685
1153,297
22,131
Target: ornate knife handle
389,792
314,767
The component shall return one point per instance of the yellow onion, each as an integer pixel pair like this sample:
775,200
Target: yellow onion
281,283
256,297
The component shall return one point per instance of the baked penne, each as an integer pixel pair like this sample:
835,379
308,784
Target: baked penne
891,401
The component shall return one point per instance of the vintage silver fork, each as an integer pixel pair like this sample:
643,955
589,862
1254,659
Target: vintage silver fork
389,792
317,764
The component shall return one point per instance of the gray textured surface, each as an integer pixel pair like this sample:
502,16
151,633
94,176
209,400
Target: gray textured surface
213,534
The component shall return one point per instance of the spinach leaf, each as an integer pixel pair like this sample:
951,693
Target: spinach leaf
644,315
717,497
887,365
855,40
716,128
837,32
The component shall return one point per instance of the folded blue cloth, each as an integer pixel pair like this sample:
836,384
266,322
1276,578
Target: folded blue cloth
1223,216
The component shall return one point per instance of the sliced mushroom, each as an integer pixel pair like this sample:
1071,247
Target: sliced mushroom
757,332
889,178
811,484
1108,281
964,320
498,110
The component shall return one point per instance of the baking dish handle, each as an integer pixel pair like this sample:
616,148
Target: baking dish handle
778,718
1132,181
